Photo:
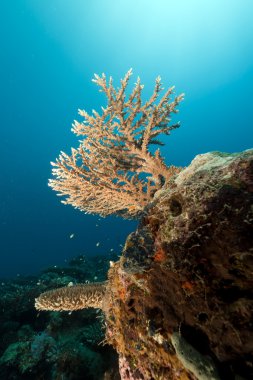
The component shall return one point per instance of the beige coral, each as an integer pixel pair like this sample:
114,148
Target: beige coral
112,171
69,298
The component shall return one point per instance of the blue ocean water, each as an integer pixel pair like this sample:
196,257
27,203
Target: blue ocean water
50,50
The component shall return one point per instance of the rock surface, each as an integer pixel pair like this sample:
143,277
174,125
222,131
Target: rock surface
187,273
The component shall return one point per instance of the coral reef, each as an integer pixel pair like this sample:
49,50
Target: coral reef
54,346
179,302
113,170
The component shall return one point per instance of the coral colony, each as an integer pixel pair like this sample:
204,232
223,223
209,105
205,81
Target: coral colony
104,175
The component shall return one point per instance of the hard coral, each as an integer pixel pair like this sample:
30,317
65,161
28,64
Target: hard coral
74,297
113,171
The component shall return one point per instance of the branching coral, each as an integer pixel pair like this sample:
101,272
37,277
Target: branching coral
112,171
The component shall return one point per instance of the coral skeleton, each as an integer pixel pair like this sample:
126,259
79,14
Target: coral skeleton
113,171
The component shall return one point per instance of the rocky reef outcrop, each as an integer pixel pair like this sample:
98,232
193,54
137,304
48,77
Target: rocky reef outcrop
180,299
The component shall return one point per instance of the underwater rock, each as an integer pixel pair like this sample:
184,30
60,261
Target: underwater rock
138,251
196,284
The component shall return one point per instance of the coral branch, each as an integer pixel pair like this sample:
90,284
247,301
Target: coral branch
112,171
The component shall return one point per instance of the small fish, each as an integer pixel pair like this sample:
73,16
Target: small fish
71,236
97,244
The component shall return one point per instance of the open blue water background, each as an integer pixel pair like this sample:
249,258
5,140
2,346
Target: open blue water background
50,50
